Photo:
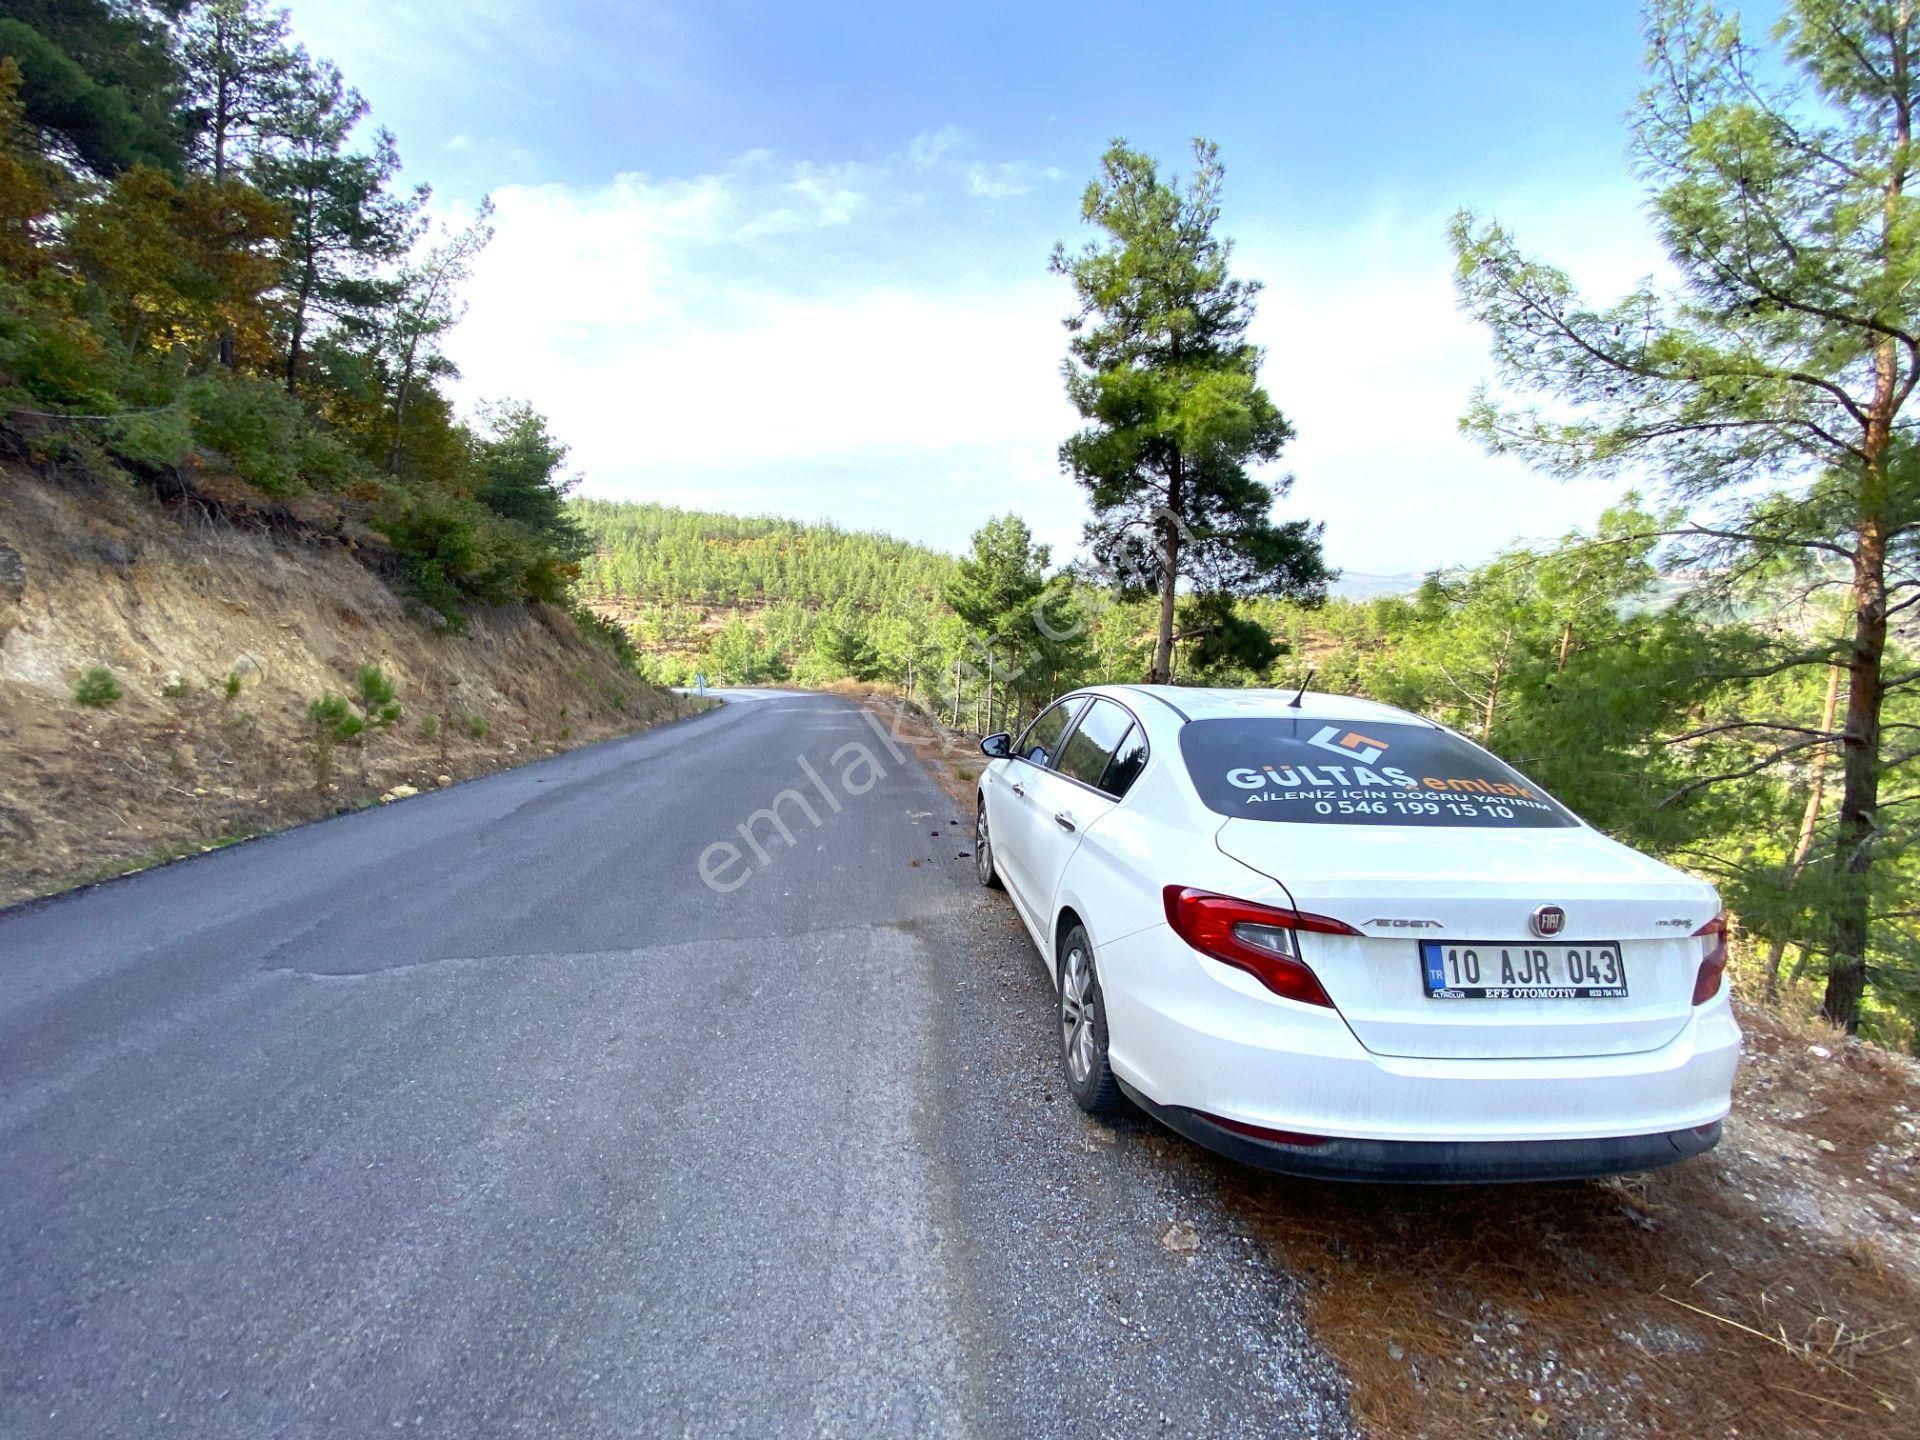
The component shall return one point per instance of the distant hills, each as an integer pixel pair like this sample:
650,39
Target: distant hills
1359,585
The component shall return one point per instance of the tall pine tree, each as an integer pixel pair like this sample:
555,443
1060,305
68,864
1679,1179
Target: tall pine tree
244,78
1160,367
1772,387
347,227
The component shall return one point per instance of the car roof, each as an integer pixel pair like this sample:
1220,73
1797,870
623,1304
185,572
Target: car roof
1194,702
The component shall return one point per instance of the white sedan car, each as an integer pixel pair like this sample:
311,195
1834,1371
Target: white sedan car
1329,937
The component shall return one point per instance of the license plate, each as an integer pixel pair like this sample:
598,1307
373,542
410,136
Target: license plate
1494,970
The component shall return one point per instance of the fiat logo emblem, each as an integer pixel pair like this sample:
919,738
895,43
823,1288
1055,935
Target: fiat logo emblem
1549,920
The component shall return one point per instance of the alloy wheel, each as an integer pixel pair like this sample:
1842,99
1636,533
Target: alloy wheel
1076,1013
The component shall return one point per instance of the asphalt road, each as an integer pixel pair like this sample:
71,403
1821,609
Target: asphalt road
482,1114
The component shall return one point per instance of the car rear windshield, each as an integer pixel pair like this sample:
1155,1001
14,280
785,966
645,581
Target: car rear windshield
1310,771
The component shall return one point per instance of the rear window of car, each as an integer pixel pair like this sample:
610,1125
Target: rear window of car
1310,771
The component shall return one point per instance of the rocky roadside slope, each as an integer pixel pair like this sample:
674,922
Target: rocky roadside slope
218,626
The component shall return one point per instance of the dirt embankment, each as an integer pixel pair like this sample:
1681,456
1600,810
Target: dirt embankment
218,630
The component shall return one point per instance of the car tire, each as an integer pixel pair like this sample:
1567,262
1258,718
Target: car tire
1083,1028
983,870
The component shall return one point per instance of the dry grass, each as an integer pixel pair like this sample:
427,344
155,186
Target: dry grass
1768,1289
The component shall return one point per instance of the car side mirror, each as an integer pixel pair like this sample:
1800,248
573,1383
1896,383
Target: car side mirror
997,747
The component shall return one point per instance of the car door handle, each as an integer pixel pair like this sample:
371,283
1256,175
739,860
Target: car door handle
1018,788
1063,820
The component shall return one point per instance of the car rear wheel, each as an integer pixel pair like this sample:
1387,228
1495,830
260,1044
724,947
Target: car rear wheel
1083,1028
983,846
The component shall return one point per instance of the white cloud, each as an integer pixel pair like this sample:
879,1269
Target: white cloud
861,341
1009,178
378,41
1371,361
928,149
817,195
726,340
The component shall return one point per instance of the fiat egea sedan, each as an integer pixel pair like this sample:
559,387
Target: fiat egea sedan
1328,937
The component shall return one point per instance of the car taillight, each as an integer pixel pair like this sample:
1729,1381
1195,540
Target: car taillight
1713,964
1255,938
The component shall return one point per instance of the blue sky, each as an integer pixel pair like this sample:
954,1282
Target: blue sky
792,258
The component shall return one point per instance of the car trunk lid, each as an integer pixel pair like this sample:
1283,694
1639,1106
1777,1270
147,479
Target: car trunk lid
1398,886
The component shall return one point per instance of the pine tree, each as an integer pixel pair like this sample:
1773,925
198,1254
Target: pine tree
1160,366
1773,384
994,589
346,226
99,83
244,77
430,306
519,464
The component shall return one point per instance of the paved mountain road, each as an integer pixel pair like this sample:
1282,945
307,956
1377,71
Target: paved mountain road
481,1114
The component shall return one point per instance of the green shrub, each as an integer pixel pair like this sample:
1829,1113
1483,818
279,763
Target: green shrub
430,584
97,688
609,636
453,550
373,691
157,439
51,356
334,723
671,670
511,562
429,726
435,543
476,724
230,688
327,462
544,576
254,424
333,719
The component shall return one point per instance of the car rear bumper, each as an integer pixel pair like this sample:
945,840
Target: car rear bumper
1199,1043
1436,1162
